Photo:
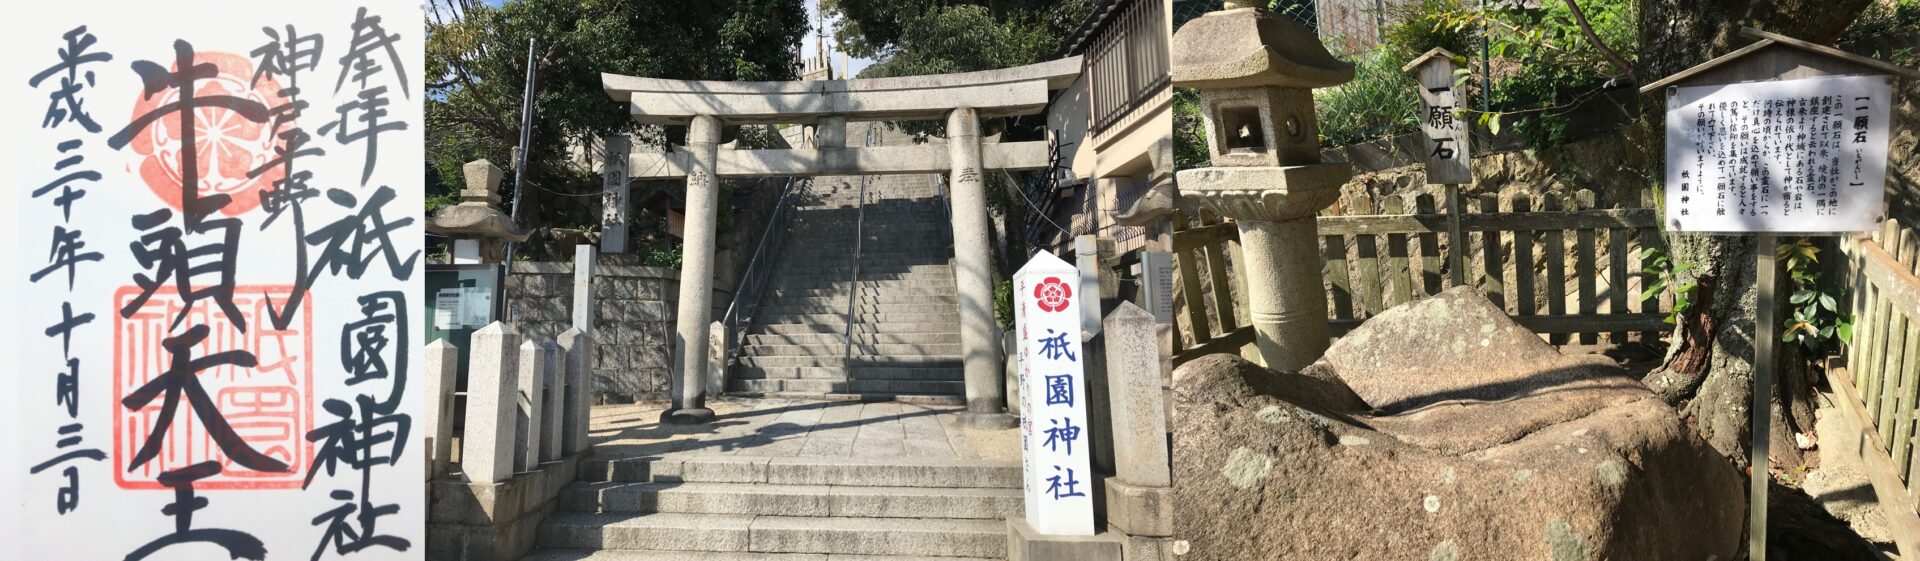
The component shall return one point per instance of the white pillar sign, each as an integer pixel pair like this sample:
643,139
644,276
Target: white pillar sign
1788,156
1053,407
217,306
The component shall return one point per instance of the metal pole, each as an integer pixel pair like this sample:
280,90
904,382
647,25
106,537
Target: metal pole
859,239
1762,407
1456,241
520,159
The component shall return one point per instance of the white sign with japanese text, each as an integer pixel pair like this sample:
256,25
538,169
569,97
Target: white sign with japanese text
216,304
1788,156
1055,453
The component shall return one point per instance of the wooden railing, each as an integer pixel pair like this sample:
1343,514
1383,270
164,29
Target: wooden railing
1876,382
1564,267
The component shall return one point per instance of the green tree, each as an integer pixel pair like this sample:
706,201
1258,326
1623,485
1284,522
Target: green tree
916,37
479,55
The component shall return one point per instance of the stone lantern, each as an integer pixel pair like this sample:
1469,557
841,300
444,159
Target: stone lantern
480,231
1255,73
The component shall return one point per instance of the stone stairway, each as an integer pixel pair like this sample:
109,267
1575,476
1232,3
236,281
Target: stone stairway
729,508
905,335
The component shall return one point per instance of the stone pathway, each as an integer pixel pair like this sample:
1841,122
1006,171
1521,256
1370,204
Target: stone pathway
784,427
788,480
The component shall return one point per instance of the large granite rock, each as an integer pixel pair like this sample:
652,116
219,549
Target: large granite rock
1441,430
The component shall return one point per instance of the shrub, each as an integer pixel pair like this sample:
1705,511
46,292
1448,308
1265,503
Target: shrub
1380,101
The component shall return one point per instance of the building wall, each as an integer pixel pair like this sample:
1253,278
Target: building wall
633,320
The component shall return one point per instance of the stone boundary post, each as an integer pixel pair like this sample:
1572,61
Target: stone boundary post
487,445
443,364
526,443
552,403
577,344
1139,497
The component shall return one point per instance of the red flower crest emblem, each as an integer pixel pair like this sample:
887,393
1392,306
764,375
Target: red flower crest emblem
230,146
1052,295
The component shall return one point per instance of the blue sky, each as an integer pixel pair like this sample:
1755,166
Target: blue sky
806,44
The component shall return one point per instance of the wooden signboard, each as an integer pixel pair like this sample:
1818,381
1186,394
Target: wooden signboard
1446,151
1782,136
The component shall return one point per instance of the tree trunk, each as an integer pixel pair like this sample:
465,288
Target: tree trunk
1709,369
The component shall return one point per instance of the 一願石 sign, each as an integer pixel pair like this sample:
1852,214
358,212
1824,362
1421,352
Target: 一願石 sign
1053,407
218,357
1447,134
1788,156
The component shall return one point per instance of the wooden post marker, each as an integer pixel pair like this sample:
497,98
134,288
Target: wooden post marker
1447,154
1779,137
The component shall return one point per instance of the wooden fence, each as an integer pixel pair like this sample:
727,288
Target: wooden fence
1876,383
1564,268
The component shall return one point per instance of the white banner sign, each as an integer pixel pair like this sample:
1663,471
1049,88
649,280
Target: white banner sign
1053,404
215,303
1789,156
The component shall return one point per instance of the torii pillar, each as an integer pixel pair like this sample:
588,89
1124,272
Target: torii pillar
973,277
688,384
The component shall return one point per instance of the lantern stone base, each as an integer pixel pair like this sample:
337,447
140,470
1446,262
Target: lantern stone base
494,521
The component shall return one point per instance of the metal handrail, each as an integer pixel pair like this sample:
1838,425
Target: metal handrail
746,297
859,236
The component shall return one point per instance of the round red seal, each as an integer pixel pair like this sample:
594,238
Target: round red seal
1052,295
229,144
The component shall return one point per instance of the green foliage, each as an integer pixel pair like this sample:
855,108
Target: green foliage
1003,303
1817,320
1425,25
1542,66
479,64
668,257
919,37
1662,275
1189,130
1381,101
1898,21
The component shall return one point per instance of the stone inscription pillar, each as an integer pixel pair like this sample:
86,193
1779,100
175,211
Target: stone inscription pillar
973,276
696,276
613,199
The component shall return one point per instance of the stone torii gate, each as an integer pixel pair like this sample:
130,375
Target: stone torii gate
962,99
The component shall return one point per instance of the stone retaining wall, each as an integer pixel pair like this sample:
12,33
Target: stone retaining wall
632,322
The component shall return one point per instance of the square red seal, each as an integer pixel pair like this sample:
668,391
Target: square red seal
269,405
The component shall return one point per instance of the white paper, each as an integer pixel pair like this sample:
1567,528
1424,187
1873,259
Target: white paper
448,315
1788,156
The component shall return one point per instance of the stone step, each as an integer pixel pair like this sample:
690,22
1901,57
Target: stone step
913,387
864,309
829,281
808,470
844,266
862,300
802,275
858,339
631,555
775,534
857,362
883,317
866,291
838,348
951,372
791,500
913,399
859,328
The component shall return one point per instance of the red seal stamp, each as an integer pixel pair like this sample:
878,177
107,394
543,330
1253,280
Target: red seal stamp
229,145
1052,295
270,405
